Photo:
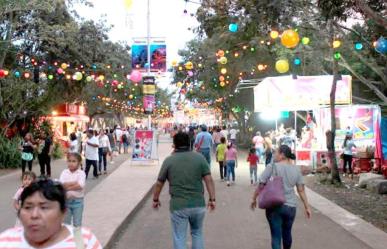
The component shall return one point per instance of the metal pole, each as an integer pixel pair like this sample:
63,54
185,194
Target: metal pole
149,56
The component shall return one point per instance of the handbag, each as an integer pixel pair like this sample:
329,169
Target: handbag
272,193
27,156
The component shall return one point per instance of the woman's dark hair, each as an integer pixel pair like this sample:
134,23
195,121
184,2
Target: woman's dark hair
223,140
229,146
181,140
51,190
252,151
284,149
73,136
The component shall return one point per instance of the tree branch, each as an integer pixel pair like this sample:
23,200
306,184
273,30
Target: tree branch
368,12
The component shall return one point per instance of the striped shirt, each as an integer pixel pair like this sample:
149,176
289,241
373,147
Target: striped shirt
14,239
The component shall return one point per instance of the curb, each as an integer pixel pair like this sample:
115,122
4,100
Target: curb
118,231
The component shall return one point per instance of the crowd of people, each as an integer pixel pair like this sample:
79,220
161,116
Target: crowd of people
190,165
49,213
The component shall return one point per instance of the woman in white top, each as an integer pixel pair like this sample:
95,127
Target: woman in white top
103,149
74,145
347,154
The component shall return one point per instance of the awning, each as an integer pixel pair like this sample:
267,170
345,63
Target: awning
70,118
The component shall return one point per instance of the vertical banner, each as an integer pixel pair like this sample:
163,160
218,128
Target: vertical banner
149,91
158,55
143,144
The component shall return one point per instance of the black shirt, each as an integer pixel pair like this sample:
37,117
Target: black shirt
27,148
46,147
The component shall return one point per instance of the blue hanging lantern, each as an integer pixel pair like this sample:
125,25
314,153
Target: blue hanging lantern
233,27
297,61
381,45
358,46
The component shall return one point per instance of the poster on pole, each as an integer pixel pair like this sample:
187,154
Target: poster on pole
158,55
142,146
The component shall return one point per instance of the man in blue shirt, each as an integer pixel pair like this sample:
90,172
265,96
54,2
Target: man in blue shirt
203,143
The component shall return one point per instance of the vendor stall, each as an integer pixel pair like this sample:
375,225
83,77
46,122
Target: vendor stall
312,94
68,118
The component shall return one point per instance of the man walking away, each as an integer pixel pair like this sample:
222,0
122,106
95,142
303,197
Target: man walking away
203,144
91,153
185,170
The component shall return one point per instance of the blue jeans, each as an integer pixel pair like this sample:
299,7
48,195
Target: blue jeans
281,221
230,170
253,173
206,153
74,212
180,220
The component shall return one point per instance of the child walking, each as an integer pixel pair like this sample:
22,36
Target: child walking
253,160
27,178
231,162
73,180
220,153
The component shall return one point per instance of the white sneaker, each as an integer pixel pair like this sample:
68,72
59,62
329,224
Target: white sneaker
111,162
228,184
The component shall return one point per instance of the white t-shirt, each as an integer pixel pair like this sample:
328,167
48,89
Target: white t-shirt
74,148
118,133
14,238
224,133
233,134
104,141
76,176
348,148
91,153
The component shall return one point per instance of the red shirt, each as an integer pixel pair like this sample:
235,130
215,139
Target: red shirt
253,159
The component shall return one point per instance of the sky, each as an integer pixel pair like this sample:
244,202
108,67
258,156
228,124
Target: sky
167,20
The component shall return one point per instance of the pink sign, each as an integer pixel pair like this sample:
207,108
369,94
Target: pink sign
304,93
149,103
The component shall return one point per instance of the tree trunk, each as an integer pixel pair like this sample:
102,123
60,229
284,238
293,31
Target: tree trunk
368,12
331,143
7,40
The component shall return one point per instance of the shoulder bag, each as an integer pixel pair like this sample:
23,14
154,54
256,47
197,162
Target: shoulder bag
272,193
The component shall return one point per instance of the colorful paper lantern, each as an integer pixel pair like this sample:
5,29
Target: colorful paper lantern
336,44
261,67
282,66
290,38
223,71
274,34
221,78
136,76
2,73
358,46
174,63
179,84
60,71
223,60
190,73
381,45
64,66
337,55
50,77
17,74
233,27
297,61
27,75
220,53
78,76
128,4
115,83
222,83
131,96
305,40
89,78
189,65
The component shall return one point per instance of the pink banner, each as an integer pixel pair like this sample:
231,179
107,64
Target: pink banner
304,93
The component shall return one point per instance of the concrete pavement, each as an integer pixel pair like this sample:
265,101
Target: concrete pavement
234,225
11,182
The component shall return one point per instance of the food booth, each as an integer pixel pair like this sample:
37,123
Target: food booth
68,118
312,94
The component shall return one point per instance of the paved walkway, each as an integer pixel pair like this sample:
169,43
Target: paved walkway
233,225
10,183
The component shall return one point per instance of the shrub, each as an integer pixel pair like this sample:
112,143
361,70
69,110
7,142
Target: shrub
10,155
58,151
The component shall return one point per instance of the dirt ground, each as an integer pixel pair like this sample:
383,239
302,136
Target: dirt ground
361,202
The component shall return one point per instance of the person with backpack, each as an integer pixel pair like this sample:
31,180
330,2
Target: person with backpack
125,140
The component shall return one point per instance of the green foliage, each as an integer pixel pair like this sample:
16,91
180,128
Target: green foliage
10,155
58,151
